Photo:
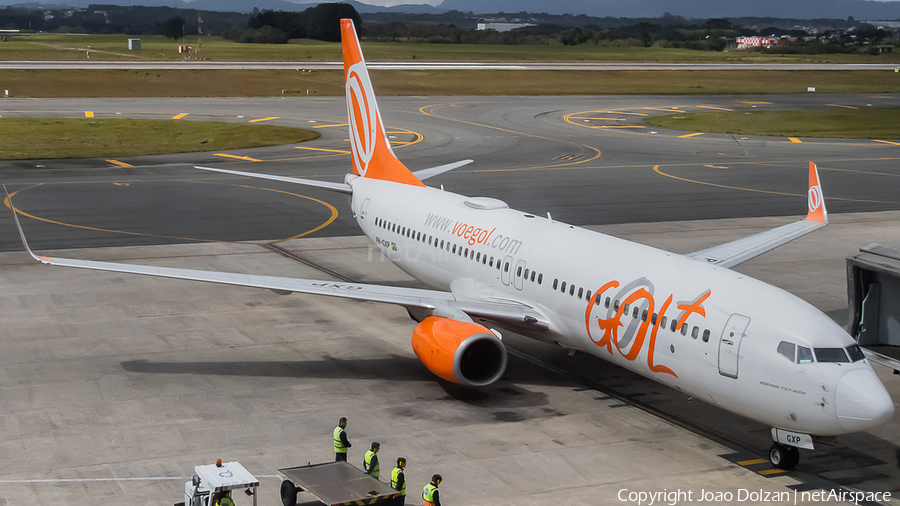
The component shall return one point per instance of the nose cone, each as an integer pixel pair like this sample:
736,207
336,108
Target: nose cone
861,402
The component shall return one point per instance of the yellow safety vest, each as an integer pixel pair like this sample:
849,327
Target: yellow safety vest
428,494
395,477
225,501
338,445
374,472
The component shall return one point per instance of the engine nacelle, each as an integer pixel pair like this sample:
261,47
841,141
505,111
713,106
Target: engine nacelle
461,352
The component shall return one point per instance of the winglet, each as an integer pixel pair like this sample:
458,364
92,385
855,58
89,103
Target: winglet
9,204
815,198
372,154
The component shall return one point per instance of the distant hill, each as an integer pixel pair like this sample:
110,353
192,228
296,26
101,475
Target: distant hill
701,9
229,5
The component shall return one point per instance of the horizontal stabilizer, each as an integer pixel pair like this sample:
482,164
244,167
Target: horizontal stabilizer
424,174
337,187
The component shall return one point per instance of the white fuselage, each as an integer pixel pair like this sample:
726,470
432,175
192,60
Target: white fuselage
728,331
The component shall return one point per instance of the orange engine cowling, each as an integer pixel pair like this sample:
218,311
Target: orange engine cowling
461,352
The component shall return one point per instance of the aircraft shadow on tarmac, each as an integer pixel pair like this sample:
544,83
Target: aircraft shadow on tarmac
509,400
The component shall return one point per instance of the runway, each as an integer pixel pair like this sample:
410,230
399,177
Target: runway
114,386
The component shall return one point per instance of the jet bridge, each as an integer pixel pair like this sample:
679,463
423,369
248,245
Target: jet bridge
873,292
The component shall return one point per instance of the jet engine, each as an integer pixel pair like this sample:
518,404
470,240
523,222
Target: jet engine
462,352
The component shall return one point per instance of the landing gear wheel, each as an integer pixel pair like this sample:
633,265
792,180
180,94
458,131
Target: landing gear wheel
288,493
783,457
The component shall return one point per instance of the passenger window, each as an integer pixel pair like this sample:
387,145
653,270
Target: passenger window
695,332
472,255
418,236
786,350
467,252
615,306
706,336
562,287
653,319
540,278
856,354
442,244
571,289
684,329
635,313
644,315
674,324
804,355
491,262
484,260
625,309
506,267
662,322
454,248
831,355
606,304
587,296
526,275
519,271
580,292
597,299
532,275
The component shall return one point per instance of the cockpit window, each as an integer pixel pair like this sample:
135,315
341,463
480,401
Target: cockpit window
855,352
786,349
831,355
804,355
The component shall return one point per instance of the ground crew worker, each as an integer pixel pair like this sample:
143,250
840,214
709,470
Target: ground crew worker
430,493
370,462
225,500
341,443
398,481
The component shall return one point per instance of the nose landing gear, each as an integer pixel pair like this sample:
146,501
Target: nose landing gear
783,457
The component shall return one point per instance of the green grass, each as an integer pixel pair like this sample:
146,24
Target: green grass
256,83
54,46
834,123
30,138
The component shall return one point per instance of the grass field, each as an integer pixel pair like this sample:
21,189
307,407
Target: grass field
28,138
869,123
237,83
51,46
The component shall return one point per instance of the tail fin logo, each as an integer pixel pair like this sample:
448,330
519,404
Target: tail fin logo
814,198
363,116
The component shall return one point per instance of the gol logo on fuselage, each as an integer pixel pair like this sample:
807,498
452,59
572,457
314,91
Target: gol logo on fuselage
637,292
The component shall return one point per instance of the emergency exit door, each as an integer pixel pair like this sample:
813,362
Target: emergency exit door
730,345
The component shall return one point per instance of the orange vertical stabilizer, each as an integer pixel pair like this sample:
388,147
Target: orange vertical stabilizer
371,151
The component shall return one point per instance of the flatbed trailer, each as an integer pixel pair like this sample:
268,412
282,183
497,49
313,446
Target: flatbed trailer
335,484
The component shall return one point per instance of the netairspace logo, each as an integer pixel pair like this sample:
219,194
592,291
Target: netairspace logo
675,497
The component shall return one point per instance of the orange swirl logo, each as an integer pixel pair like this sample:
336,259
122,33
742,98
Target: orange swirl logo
363,116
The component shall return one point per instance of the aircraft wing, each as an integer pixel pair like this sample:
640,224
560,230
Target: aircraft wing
741,250
444,302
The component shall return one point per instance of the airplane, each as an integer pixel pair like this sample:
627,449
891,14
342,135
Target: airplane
686,321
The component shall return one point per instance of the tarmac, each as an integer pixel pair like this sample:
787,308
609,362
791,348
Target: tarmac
115,386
